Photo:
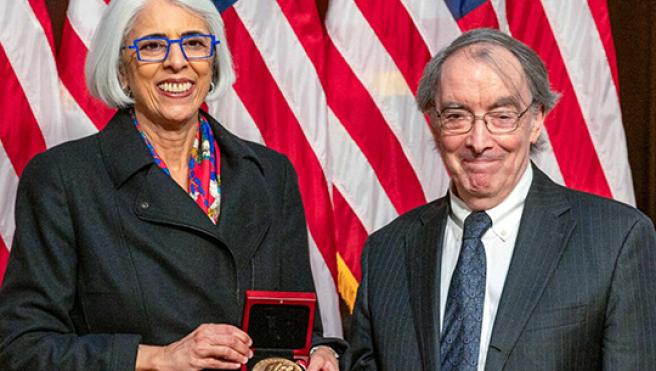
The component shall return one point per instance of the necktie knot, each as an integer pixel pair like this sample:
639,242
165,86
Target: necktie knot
476,224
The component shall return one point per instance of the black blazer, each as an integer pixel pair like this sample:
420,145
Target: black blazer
110,252
580,293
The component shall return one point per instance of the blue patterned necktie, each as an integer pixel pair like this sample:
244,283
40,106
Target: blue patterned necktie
461,329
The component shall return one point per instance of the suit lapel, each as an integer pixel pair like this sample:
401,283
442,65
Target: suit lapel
424,255
545,228
163,201
245,204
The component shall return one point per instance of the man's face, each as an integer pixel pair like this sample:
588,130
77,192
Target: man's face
485,167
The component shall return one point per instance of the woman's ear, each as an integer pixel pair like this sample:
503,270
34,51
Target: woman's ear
123,79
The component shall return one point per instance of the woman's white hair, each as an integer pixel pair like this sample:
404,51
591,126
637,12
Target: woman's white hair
103,62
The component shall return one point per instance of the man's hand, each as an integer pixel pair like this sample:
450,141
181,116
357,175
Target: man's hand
323,359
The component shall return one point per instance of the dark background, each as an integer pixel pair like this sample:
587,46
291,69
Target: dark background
634,30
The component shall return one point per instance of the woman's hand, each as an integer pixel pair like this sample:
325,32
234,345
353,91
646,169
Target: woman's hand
208,346
323,359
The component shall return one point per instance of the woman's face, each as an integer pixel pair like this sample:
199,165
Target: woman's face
168,92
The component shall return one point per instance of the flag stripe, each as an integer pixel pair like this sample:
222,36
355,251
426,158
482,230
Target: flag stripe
4,256
326,289
304,96
306,99
350,102
349,166
383,82
264,101
544,158
360,207
21,142
30,118
350,235
83,16
499,7
599,11
8,185
34,68
70,62
589,73
41,12
434,22
395,29
77,123
232,114
357,181
567,129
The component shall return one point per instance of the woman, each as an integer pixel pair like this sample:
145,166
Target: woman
134,246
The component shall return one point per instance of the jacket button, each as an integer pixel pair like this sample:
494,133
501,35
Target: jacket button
144,205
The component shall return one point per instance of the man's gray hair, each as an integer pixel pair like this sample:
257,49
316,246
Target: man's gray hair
103,62
534,70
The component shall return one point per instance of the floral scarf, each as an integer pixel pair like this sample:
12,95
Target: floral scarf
204,167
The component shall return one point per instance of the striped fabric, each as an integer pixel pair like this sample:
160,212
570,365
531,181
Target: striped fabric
336,96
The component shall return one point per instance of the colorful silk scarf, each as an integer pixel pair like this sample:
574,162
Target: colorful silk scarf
204,167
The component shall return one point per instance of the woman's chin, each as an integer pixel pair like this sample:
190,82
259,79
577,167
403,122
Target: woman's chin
179,115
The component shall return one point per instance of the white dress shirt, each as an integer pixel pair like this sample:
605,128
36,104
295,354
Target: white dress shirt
499,242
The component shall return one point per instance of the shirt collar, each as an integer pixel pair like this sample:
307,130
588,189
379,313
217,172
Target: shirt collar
502,222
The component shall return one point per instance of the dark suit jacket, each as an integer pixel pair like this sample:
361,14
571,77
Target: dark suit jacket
580,292
110,252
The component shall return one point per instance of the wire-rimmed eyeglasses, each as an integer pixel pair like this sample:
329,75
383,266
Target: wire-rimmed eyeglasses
461,121
156,48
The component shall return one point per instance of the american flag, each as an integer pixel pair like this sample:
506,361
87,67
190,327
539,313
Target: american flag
335,94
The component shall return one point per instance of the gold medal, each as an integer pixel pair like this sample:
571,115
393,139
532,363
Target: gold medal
276,364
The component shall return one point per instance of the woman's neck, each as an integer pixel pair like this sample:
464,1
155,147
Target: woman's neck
173,143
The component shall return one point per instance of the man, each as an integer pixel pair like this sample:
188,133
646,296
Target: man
508,271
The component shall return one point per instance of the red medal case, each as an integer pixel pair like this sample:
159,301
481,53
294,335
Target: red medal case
280,325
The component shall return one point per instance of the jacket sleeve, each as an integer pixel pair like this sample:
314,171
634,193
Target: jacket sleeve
360,355
295,236
629,341
37,316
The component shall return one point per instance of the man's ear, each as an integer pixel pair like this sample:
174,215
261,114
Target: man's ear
537,124
434,123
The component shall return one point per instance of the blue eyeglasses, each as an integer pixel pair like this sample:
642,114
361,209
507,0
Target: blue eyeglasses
156,48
